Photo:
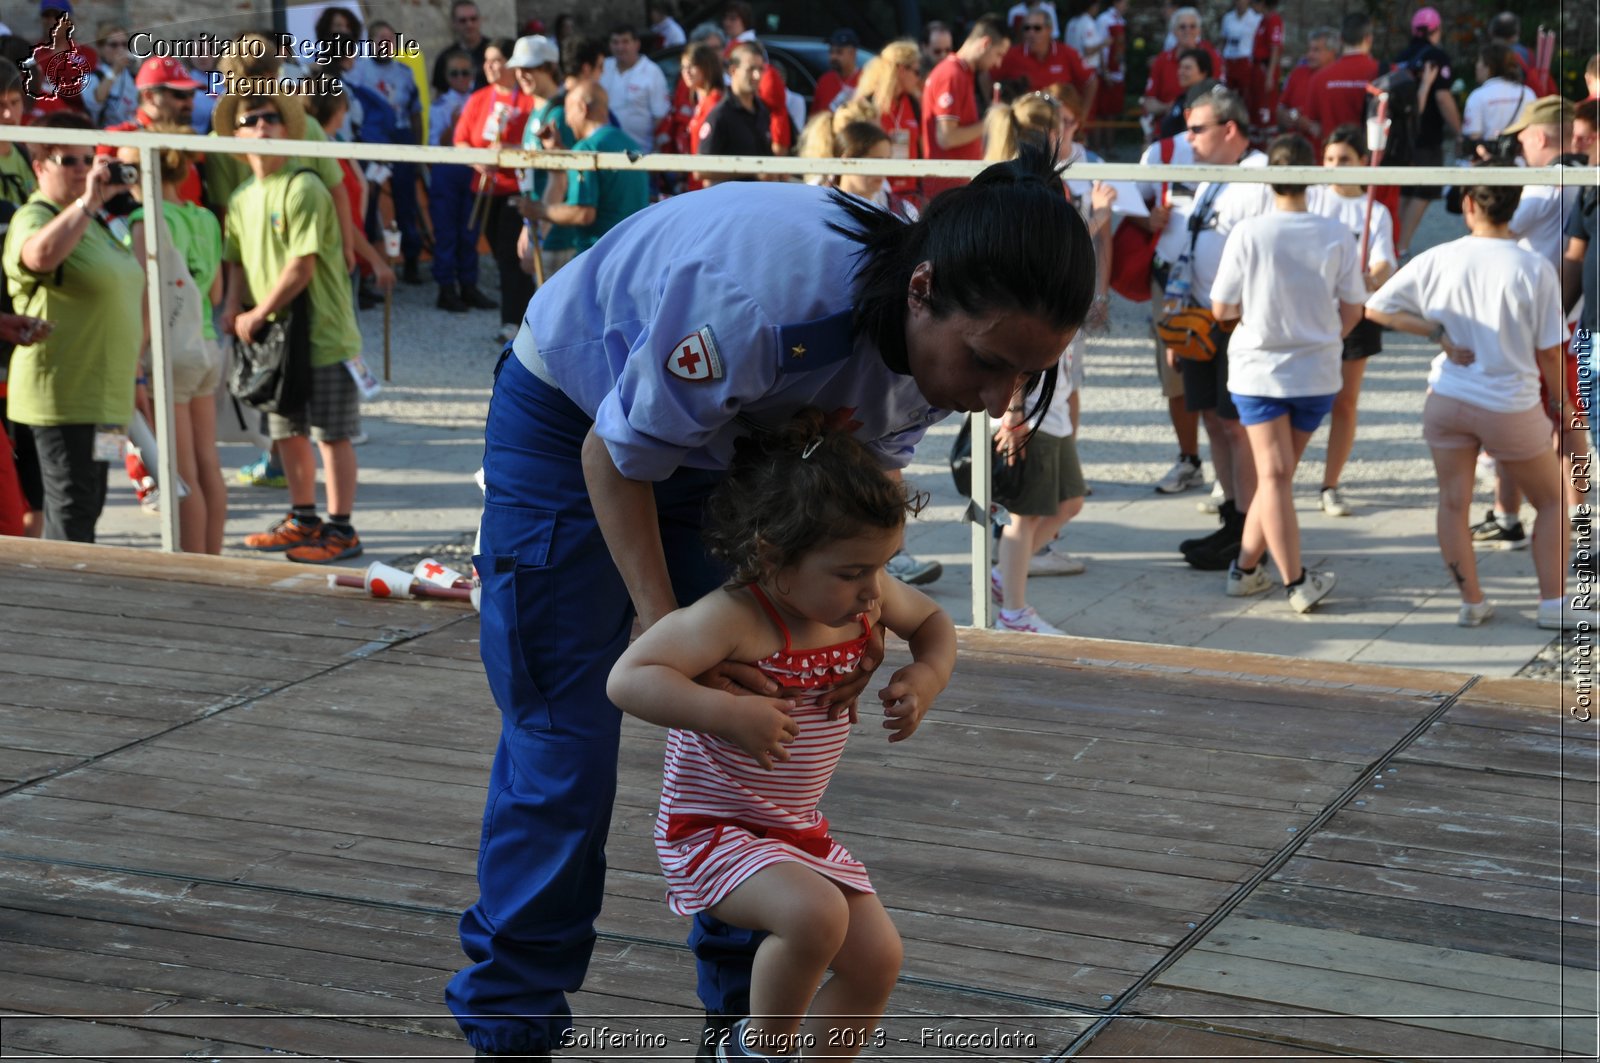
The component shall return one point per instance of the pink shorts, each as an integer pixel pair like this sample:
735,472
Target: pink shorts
1450,424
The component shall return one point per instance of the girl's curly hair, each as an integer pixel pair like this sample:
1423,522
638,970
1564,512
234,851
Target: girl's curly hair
795,489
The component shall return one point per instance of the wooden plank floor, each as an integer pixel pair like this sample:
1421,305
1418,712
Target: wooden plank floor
239,814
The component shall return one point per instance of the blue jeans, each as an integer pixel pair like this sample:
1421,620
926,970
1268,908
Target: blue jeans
555,617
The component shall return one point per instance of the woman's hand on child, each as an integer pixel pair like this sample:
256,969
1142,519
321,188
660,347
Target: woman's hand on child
1456,354
842,698
907,699
763,728
738,679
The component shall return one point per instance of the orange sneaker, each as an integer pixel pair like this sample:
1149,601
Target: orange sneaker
285,535
331,546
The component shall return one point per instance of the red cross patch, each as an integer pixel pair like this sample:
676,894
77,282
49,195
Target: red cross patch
695,357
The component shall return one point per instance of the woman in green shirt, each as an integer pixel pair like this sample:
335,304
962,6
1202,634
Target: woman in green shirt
74,388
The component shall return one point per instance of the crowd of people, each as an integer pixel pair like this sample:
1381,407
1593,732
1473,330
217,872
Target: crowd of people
679,396
1217,92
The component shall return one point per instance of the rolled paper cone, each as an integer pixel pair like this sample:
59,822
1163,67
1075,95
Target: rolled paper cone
426,590
336,580
438,574
386,581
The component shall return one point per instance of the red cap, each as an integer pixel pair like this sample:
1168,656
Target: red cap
163,71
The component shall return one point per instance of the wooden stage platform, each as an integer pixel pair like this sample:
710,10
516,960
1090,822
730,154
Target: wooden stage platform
239,815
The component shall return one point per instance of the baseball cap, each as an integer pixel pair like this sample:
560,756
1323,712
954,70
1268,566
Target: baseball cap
844,38
1546,110
64,6
163,71
1426,19
532,52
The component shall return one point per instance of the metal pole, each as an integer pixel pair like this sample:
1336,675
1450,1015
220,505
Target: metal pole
155,234
982,529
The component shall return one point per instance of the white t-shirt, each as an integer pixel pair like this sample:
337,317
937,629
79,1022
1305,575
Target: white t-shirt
1289,272
1238,34
1492,106
1237,201
1540,220
1085,34
1057,418
1349,211
638,98
1499,300
671,33
1175,237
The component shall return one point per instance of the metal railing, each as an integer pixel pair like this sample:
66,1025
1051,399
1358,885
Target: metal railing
515,158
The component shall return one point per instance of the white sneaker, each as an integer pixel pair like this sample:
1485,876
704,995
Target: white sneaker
907,569
1212,503
1474,613
1183,475
1333,503
1556,616
1242,584
1025,619
997,590
1049,563
1315,588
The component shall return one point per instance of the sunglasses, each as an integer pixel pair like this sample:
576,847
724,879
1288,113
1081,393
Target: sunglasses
458,73
179,94
268,118
71,160
1196,130
1034,27
114,44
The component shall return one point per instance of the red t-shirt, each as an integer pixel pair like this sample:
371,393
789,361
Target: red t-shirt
1163,83
830,85
476,129
951,92
1338,93
674,128
1269,35
1063,64
904,129
1295,87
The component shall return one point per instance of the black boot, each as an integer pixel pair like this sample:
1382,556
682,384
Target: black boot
450,299
471,296
1215,552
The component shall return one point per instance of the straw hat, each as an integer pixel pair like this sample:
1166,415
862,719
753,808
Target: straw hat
225,119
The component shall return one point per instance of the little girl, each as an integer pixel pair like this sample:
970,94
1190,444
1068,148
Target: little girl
806,521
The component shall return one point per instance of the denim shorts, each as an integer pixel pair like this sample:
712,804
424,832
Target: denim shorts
1305,412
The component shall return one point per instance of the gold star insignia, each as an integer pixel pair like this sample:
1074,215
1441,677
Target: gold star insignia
798,350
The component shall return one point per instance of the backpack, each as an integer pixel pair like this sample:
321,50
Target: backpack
1401,85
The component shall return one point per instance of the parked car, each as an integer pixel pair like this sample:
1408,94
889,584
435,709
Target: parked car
803,61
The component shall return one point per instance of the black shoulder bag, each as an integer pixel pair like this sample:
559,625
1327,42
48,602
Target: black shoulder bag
272,370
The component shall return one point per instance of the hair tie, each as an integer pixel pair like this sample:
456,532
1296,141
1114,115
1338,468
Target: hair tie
811,448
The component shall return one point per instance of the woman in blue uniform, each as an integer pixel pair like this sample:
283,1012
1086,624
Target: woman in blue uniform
703,318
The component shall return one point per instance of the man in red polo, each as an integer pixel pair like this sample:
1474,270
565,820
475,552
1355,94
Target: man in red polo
166,94
1162,89
1044,61
1266,55
1337,93
952,127
844,71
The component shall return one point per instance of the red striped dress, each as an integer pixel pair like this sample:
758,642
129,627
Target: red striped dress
723,817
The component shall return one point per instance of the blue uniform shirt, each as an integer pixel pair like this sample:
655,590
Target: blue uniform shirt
711,315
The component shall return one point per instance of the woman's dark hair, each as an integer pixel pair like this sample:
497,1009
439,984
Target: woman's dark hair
10,77
1290,149
324,29
797,488
1201,57
1498,203
1352,134
1008,241
1501,62
580,51
323,105
706,59
441,80
858,138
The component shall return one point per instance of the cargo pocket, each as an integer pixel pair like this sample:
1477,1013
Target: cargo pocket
516,630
